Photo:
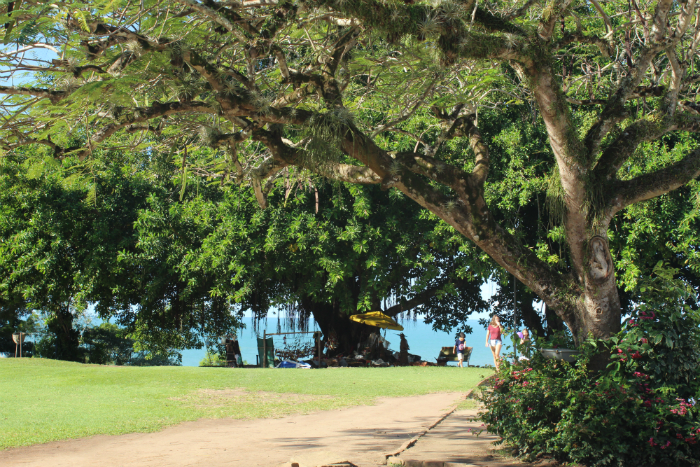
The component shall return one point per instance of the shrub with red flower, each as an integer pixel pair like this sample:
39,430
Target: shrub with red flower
640,411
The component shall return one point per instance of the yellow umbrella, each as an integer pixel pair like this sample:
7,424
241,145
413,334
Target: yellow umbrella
378,319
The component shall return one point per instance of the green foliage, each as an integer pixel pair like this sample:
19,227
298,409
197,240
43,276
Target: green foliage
111,344
119,222
639,411
107,343
212,358
67,234
661,339
364,248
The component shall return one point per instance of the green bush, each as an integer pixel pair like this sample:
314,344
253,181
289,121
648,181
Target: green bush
212,358
640,411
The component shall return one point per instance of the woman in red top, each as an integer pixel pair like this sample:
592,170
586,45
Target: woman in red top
493,339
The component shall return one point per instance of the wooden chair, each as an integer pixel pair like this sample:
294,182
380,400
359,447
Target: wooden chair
446,355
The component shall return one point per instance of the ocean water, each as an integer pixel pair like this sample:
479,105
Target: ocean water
421,337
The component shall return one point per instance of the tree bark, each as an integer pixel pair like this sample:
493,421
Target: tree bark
531,319
67,338
336,324
554,323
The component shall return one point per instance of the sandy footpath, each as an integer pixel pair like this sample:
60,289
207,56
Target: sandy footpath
359,434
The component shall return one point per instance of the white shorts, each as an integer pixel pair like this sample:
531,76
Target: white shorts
460,356
495,342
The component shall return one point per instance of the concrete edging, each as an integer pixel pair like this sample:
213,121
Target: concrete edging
413,440
408,463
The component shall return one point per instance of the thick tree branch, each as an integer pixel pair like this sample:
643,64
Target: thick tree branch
455,38
568,149
54,96
350,174
481,154
606,19
649,129
624,146
118,35
670,100
456,126
125,119
418,299
553,12
226,20
654,184
435,169
468,214
284,154
642,91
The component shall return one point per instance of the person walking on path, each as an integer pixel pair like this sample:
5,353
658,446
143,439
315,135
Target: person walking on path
460,346
493,339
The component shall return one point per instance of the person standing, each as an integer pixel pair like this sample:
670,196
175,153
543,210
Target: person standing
493,339
524,346
403,351
459,348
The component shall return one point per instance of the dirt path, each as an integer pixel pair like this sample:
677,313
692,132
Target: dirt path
360,434
460,439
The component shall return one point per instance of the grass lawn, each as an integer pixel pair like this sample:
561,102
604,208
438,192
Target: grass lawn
47,400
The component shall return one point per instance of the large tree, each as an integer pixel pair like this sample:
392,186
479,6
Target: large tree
330,250
59,240
376,92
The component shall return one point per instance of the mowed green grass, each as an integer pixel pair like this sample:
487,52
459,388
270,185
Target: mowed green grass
47,400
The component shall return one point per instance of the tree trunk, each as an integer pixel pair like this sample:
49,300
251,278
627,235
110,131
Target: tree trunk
531,319
336,324
67,338
597,305
554,322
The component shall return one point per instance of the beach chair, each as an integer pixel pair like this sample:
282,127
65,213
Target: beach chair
266,348
446,355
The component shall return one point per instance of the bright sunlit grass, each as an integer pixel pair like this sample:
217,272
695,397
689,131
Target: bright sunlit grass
47,400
